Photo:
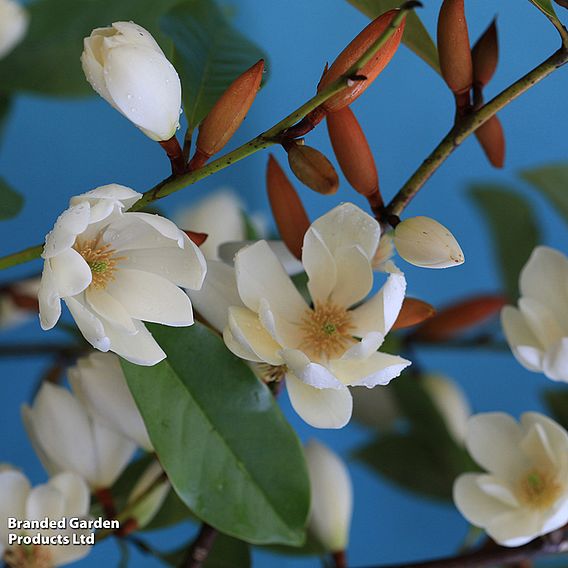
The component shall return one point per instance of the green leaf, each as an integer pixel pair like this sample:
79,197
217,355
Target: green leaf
172,512
209,54
416,36
547,8
552,182
227,552
557,402
11,202
513,227
47,61
220,436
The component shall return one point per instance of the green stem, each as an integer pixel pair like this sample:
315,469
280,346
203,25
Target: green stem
467,126
266,139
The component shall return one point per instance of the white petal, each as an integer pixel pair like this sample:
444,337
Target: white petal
14,21
260,275
541,321
14,491
515,528
107,196
247,330
284,333
227,252
493,440
218,293
75,493
544,278
347,225
183,266
164,226
354,276
109,309
69,224
312,374
50,466
319,265
555,364
140,348
49,300
378,369
548,442
366,347
71,273
145,87
45,501
238,348
89,325
131,33
148,297
497,489
524,344
380,312
130,232
320,408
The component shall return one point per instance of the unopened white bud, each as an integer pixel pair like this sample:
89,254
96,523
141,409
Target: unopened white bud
332,497
125,66
148,495
426,243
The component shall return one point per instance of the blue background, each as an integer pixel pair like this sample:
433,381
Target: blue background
54,149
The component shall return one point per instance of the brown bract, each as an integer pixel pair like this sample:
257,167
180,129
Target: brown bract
229,111
353,52
287,209
413,312
485,55
313,169
352,151
492,139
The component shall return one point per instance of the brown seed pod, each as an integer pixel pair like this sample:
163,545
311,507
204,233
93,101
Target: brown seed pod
413,312
460,317
492,139
289,213
312,168
454,49
352,151
353,52
229,112
485,55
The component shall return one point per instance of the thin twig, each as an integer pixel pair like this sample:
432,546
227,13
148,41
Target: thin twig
201,547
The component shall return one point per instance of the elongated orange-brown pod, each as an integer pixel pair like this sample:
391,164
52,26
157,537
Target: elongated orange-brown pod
197,238
413,312
459,317
485,55
228,113
353,52
492,139
289,213
352,151
312,168
454,49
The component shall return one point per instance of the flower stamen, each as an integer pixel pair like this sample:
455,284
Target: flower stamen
102,261
538,489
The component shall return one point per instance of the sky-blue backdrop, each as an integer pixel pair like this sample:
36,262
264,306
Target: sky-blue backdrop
54,149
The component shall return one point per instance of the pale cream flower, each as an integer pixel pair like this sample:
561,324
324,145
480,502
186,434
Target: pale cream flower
524,493
537,331
14,21
125,66
65,495
116,269
333,344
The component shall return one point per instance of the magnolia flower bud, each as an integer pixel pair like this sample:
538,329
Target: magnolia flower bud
125,66
66,438
485,55
426,243
289,213
492,139
454,49
229,112
313,169
332,497
413,312
352,151
14,22
353,52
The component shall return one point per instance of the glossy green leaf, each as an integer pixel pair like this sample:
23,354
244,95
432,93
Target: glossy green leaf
513,227
47,61
227,449
557,402
416,36
552,182
547,8
209,54
11,202
172,512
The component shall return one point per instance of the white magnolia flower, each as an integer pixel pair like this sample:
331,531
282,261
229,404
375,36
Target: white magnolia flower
318,346
14,22
100,384
524,493
332,497
125,66
65,495
67,438
18,302
426,243
537,331
115,269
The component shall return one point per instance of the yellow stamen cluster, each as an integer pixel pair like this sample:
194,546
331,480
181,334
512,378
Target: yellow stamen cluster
101,260
270,373
326,331
538,489
21,556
